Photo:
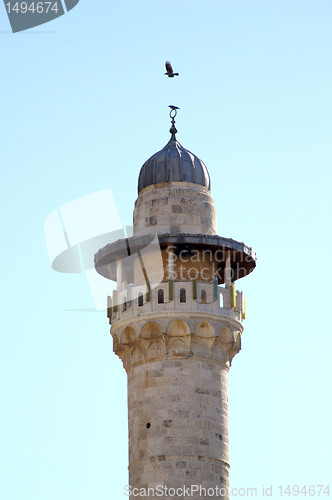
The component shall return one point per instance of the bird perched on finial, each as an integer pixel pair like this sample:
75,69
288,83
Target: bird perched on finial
169,70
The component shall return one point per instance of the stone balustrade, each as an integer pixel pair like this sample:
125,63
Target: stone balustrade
173,296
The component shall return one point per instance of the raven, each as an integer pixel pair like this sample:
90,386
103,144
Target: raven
169,70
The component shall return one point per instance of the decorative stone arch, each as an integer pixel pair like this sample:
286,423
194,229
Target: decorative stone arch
203,339
178,328
178,347
128,336
227,335
156,350
205,330
178,338
151,330
237,339
137,355
227,345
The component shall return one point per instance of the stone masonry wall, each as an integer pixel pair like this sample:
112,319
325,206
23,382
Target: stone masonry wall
177,398
178,428
177,207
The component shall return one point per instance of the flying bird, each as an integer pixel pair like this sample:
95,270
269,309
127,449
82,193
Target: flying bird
169,70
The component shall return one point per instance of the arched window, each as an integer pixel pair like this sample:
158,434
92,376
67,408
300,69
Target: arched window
140,299
182,295
160,296
203,296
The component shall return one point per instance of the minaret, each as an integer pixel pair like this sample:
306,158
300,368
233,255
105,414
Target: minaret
176,325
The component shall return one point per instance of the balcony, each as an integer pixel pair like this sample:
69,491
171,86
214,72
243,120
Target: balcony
174,297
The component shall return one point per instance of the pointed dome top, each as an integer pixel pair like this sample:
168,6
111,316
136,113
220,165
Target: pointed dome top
173,163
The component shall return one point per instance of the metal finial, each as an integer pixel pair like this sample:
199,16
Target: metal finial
172,114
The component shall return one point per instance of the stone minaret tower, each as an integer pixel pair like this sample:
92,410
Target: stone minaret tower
176,325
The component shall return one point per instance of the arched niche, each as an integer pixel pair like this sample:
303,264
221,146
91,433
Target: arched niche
178,347
178,328
227,335
137,355
151,330
156,350
128,335
205,330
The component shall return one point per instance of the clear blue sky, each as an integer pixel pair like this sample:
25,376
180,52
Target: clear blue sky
84,104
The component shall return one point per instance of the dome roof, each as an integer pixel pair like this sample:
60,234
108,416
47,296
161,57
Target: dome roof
173,163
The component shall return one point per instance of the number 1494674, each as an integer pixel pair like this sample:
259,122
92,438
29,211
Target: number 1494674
32,7
313,490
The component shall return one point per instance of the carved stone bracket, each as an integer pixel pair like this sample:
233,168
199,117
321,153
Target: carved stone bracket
142,343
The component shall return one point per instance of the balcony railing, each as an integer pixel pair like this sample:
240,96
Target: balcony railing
176,296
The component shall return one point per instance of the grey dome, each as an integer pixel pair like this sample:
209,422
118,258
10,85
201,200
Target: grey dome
173,163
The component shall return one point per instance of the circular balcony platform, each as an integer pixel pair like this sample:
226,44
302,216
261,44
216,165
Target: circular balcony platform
243,257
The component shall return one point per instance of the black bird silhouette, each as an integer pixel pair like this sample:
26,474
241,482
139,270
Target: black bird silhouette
169,70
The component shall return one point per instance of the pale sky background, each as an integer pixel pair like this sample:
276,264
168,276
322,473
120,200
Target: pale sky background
83,105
